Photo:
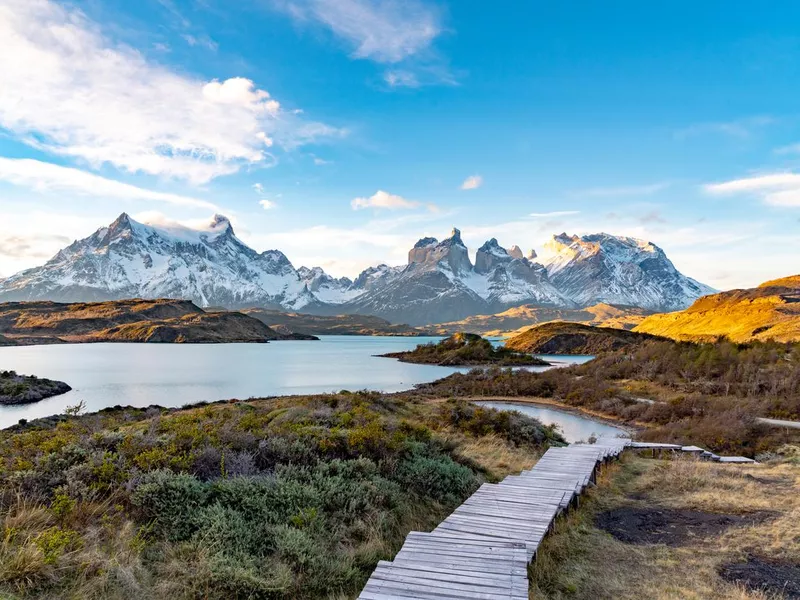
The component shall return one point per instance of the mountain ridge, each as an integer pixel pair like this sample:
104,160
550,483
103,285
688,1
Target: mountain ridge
212,267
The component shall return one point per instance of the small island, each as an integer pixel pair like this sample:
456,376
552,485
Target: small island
24,389
466,349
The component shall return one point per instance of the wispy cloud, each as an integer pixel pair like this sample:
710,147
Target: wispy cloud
92,99
201,40
555,213
400,78
623,190
738,128
385,200
264,202
776,189
267,204
387,31
473,182
47,177
400,33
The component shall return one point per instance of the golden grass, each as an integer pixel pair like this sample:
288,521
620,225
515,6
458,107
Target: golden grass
580,561
495,455
100,561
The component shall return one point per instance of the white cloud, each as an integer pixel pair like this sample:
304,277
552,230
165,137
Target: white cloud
29,237
70,90
776,189
401,78
381,199
201,40
473,182
267,204
321,162
385,31
555,213
47,177
258,188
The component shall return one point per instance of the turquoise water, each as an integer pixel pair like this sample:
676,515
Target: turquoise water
176,374
574,427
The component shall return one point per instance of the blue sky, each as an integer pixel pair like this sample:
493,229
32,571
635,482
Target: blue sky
340,131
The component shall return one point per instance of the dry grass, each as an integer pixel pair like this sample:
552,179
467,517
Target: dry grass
38,549
582,562
495,455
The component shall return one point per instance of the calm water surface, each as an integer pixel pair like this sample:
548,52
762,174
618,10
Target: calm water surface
573,427
176,374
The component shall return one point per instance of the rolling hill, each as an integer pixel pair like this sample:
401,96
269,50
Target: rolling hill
770,311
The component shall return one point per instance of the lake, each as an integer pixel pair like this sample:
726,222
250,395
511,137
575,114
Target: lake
176,374
574,427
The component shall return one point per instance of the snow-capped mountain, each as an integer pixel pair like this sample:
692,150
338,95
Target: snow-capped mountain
325,288
441,284
127,259
212,267
618,270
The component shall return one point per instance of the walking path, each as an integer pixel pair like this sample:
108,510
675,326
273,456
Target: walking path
482,550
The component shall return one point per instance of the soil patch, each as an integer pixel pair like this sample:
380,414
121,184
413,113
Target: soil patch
765,575
667,526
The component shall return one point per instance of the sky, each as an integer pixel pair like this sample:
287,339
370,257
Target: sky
341,131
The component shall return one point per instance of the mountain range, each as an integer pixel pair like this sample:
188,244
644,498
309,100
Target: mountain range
212,267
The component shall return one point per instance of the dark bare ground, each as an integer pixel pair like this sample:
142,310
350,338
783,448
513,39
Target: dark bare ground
764,575
655,525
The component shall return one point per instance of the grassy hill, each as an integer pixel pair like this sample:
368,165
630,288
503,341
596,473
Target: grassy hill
161,320
519,318
770,311
465,349
574,338
286,498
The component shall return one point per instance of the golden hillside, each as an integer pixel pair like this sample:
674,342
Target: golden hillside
161,320
574,338
770,311
520,318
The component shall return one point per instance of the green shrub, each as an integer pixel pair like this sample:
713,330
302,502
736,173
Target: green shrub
170,500
437,477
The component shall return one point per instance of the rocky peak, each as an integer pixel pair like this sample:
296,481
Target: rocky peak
490,255
532,255
120,225
454,239
221,224
425,242
419,253
450,251
515,252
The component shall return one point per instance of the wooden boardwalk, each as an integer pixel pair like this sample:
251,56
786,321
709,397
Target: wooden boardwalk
482,550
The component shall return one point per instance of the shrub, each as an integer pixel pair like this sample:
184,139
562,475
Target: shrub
437,477
170,500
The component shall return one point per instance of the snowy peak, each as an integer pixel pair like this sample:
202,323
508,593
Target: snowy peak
207,265
449,254
618,270
212,267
